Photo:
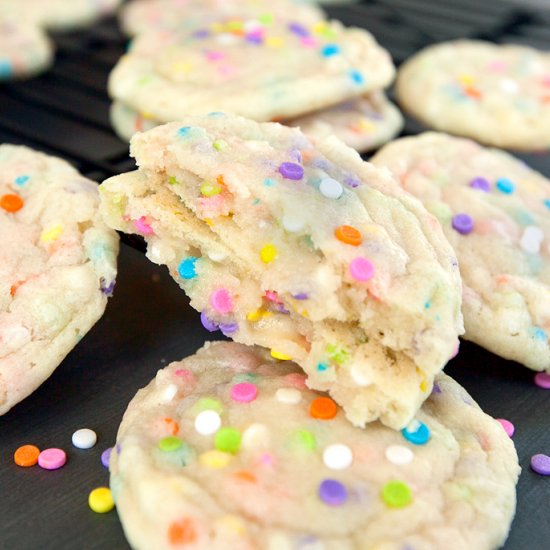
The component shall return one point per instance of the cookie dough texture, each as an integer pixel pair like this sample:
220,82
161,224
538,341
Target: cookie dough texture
505,257
285,479
498,95
274,70
57,266
301,248
363,124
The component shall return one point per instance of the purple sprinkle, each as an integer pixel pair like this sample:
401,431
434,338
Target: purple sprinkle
208,324
541,464
107,290
296,155
463,223
301,296
255,37
480,183
332,492
118,448
291,171
320,163
542,380
352,181
105,456
201,33
281,309
229,328
436,388
298,29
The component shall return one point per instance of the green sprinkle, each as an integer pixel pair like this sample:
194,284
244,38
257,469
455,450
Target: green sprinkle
220,145
266,18
228,440
170,443
208,404
244,377
210,189
337,353
172,180
304,439
396,494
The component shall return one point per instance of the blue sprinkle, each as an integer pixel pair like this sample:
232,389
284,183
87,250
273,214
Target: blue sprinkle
506,186
356,76
21,180
268,182
184,131
523,217
427,305
322,367
419,437
330,49
186,269
538,334
6,69
547,203
216,113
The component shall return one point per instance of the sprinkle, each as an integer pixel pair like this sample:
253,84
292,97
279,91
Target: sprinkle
360,375
505,185
301,296
101,500
182,532
349,235
481,184
84,438
220,145
208,189
332,492
221,301
399,455
323,408
281,356
337,456
170,444
304,439
463,223
268,253
187,269
52,459
509,428
538,334
228,328
290,396
356,77
361,269
396,494
416,432
255,436
228,440
184,131
21,180
531,239
106,456
298,29
245,392
215,459
540,463
293,222
547,203
330,188
542,380
330,50
143,226
322,367
208,422
26,456
52,234
168,393
11,202
207,323
291,171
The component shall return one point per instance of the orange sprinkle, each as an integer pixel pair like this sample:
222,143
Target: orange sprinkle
172,425
245,475
182,532
323,408
26,456
220,180
349,235
11,202
14,287
472,92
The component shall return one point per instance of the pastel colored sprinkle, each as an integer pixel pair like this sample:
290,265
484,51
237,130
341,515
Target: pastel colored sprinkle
221,301
289,396
208,323
298,29
170,444
531,239
172,180
228,440
268,182
209,189
505,185
52,234
540,463
416,433
301,296
268,253
143,226
542,380
322,367
337,456
26,456
106,456
481,184
181,533
21,180
330,50
11,202
187,268
323,408
538,334
304,439
228,328
399,455
52,459
547,203
396,494
291,171
184,131
279,355
332,492
293,222
208,403
348,235
215,459
361,269
244,392
356,77
220,145
463,223
84,438
208,422
101,500
330,188
509,428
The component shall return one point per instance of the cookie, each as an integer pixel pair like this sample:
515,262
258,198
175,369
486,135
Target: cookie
495,212
498,95
57,266
364,123
139,16
301,248
263,70
24,49
229,449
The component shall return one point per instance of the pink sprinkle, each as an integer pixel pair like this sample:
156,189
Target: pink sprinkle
214,56
455,352
221,301
297,380
509,428
361,269
308,41
143,227
52,459
267,459
244,392
227,69
542,380
497,66
272,296
546,80
184,373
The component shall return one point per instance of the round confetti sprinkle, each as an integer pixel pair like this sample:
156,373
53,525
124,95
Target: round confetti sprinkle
305,440
323,408
398,454
396,494
207,323
509,428
505,186
330,50
268,253
106,456
361,269
245,392
542,380
531,239
11,202
228,328
481,184
463,223
101,500
541,464
293,222
349,235
208,189
416,432
356,77
288,395
181,533
207,422
228,440
255,436
52,459
26,456
331,189
221,301
187,269
291,171
279,355
168,393
337,456
215,459
332,492
170,444
84,438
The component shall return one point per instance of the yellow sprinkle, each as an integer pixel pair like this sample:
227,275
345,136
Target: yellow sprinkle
51,234
208,221
101,500
233,523
217,27
281,356
320,27
274,42
210,189
182,67
268,253
466,79
367,126
423,381
257,315
215,459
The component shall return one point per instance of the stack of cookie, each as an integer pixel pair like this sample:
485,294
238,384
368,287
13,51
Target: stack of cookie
264,60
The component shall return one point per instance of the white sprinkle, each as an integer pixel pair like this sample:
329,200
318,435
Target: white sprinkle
293,222
256,435
331,188
226,38
208,422
168,393
84,438
359,376
337,456
160,253
509,86
288,395
398,454
531,239
413,427
217,255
